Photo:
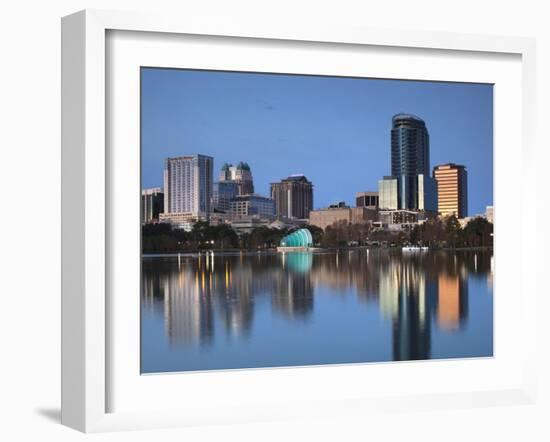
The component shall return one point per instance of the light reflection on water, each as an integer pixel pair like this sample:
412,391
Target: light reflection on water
262,310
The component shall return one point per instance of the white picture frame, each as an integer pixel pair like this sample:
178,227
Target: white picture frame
87,356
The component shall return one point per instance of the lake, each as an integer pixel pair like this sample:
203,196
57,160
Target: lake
269,309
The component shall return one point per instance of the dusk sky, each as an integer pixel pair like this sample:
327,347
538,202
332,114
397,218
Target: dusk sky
334,130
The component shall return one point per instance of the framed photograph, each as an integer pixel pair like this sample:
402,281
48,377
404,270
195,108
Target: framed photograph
264,222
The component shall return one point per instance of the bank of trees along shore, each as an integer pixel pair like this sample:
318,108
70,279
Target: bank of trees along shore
203,236
445,232
437,232
448,232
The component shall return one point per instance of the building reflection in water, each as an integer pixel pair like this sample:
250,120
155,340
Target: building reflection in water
452,307
293,294
235,301
407,298
201,298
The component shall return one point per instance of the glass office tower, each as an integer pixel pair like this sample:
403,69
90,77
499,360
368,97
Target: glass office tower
410,157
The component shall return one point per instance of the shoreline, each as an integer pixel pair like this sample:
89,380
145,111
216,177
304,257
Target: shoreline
274,251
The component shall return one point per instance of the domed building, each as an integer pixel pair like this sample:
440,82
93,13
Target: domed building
299,240
240,174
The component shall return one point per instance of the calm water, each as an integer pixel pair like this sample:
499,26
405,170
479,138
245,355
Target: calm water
264,310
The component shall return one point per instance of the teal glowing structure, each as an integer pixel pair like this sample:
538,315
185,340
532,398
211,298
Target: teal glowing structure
299,238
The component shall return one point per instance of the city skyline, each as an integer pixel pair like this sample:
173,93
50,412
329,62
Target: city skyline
366,166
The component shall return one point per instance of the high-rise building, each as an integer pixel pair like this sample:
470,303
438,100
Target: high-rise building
188,185
152,204
452,189
240,175
293,197
223,193
410,157
367,199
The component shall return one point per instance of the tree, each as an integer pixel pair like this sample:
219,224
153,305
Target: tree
431,232
478,233
453,231
200,231
156,229
330,237
316,233
225,237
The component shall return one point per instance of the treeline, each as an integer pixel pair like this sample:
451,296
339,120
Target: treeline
342,234
448,232
162,238
436,232
433,233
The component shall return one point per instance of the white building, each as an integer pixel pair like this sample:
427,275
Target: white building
188,185
388,194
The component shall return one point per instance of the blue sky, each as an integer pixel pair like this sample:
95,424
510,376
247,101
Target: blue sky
334,130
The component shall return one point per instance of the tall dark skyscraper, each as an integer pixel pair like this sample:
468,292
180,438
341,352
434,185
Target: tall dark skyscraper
410,163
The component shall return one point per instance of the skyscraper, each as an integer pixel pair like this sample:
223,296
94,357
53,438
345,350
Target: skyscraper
452,189
188,185
293,197
410,163
240,175
152,202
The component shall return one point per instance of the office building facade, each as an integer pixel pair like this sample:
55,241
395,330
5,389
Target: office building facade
180,220
398,219
253,205
452,189
188,185
427,194
223,193
370,200
352,215
293,197
152,205
388,193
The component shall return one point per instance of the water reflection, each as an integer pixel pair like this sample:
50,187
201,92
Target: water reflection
204,302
